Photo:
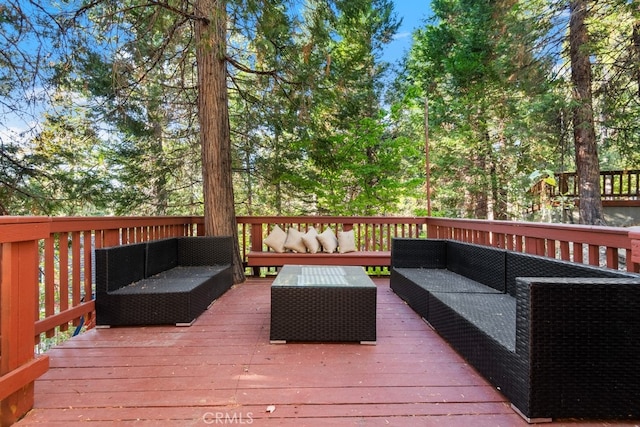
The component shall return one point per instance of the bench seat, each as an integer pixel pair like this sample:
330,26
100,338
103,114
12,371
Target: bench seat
361,258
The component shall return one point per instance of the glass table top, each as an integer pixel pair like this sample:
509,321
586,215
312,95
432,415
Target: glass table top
320,275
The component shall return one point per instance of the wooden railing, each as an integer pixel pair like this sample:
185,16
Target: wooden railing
46,267
611,247
371,233
46,287
617,188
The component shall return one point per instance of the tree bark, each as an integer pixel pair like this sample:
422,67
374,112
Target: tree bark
587,163
213,117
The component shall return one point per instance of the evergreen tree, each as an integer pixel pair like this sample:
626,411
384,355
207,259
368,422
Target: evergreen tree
488,91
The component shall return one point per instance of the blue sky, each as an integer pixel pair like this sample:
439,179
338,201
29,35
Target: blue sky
414,14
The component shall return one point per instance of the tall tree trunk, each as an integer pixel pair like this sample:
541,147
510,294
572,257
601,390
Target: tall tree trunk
213,117
587,164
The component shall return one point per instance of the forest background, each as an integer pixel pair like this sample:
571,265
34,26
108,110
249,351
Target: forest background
319,123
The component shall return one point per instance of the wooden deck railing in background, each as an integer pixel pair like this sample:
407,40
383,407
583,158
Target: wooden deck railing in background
46,266
617,188
371,233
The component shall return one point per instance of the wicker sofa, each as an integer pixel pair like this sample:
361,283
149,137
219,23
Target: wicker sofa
559,339
168,281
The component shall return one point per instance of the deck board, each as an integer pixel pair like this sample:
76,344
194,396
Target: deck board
223,370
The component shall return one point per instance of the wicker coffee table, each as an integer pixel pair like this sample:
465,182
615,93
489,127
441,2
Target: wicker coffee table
323,303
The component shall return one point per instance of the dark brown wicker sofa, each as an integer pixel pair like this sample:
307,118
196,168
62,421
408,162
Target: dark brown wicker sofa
168,281
558,339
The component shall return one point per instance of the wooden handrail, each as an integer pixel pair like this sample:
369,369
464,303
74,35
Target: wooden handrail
46,265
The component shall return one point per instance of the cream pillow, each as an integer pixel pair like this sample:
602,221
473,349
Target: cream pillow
294,241
346,241
275,240
310,240
328,240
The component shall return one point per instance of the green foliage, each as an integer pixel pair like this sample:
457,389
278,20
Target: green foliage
311,131
492,107
317,141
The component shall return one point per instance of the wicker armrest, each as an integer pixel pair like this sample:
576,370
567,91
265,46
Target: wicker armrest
579,337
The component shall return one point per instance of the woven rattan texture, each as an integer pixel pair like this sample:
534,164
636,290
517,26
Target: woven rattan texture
161,256
525,265
494,361
175,295
494,314
440,280
405,288
120,266
178,306
323,313
480,263
584,343
419,253
563,344
205,250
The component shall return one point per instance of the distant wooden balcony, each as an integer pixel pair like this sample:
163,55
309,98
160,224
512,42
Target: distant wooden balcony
46,273
619,188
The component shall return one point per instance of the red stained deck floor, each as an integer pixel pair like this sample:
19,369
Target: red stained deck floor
223,370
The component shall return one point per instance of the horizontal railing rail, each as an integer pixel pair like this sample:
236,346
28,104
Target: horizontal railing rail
46,266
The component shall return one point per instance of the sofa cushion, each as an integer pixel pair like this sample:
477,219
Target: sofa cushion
440,280
494,314
177,280
346,242
328,240
294,241
310,240
275,240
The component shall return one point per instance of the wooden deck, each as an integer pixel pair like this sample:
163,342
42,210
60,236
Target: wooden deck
222,370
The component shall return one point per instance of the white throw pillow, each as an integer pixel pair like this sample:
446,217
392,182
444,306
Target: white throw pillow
346,242
310,240
275,240
294,241
328,240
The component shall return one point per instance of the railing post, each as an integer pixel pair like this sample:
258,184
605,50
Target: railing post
634,236
111,237
19,281
256,243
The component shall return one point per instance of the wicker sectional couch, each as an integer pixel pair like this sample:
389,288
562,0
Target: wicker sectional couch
559,339
168,281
